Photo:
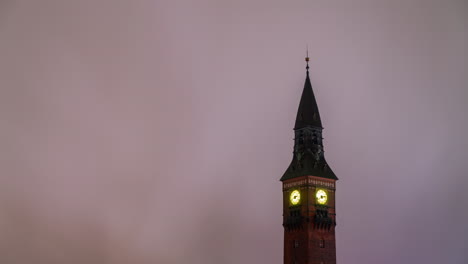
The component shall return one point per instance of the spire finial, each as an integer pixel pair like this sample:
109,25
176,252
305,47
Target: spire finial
307,59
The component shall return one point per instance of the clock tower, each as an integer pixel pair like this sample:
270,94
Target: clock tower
309,215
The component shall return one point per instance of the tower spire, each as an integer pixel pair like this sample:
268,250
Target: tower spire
308,147
307,59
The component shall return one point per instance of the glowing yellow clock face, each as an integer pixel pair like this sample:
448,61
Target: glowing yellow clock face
295,197
321,196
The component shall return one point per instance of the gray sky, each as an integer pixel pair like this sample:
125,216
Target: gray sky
157,131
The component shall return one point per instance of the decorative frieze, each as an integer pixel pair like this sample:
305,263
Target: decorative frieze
309,182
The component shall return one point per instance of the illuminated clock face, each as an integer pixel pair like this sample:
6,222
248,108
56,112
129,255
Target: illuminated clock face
321,196
295,197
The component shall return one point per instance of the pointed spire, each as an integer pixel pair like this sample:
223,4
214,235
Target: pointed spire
308,157
308,113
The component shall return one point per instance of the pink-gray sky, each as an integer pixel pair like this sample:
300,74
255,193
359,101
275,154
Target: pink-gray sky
157,131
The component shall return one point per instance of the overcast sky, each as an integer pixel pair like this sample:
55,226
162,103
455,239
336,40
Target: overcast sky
157,131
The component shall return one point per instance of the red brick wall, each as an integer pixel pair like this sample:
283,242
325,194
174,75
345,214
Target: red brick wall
307,233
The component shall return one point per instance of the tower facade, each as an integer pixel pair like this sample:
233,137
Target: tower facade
309,186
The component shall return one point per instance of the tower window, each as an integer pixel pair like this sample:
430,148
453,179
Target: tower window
322,243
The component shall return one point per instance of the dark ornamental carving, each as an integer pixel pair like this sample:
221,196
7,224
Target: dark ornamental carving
294,220
322,220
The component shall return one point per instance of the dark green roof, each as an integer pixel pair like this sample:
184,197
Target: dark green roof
308,166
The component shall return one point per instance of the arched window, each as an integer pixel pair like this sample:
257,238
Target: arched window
315,138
